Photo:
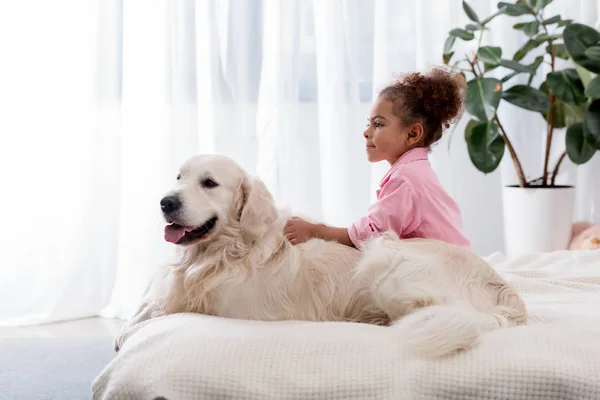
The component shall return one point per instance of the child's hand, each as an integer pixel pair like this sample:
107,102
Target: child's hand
298,230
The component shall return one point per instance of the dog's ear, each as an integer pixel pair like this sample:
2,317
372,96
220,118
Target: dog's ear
256,209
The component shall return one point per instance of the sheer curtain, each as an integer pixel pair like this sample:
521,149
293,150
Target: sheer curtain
102,100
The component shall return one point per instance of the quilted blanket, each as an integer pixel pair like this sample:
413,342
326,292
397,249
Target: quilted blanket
556,356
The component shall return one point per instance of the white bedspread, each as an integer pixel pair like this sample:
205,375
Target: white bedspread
557,356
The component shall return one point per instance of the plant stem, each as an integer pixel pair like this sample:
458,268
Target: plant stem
560,160
550,125
550,119
481,73
480,38
476,59
472,64
513,154
479,68
549,135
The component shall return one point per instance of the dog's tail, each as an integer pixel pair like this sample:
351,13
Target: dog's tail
441,330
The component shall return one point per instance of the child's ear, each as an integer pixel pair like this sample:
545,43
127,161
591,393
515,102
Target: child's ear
416,133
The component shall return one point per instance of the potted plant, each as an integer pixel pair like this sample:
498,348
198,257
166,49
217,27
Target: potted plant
538,213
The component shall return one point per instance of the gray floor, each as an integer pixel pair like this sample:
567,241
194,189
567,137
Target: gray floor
89,327
57,361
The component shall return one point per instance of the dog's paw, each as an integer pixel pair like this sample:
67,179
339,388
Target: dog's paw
119,340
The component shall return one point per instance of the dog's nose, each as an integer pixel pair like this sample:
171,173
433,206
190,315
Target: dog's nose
170,204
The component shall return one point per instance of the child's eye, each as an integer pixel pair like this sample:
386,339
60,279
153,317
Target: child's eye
378,125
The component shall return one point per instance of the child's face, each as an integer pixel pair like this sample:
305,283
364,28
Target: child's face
387,137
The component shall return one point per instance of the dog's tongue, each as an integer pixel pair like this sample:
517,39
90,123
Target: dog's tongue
174,233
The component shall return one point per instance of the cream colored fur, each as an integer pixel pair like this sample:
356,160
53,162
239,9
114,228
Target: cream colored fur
439,297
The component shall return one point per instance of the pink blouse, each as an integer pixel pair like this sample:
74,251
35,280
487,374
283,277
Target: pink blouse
412,202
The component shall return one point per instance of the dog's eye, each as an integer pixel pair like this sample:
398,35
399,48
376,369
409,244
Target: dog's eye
179,177
209,183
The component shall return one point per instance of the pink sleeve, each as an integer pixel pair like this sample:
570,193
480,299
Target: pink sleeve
394,210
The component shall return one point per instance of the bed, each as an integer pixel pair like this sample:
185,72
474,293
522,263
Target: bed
555,356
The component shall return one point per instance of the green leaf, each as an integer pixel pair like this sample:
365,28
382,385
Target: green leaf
449,43
530,28
528,98
552,20
447,57
489,67
565,22
483,97
539,4
545,37
485,145
566,85
500,11
560,118
559,115
593,53
472,27
579,149
559,50
565,114
463,34
510,76
593,89
578,38
515,66
490,55
527,47
514,10
534,67
470,12
574,113
559,110
584,75
592,124
469,128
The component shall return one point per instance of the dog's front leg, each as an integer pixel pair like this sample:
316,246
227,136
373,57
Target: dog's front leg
150,307
145,311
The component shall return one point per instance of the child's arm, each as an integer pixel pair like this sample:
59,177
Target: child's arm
394,210
298,231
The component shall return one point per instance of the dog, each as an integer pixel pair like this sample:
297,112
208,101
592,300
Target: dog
235,262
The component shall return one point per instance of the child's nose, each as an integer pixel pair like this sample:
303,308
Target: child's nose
367,133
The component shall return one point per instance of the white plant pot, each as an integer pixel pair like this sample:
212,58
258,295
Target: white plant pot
537,219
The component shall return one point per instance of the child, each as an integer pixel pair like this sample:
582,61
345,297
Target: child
408,117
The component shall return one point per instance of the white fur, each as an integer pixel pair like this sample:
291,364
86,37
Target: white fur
439,297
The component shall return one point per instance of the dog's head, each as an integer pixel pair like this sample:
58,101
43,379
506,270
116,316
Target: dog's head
212,194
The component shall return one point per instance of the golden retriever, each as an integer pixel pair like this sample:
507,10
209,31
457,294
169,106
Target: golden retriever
236,263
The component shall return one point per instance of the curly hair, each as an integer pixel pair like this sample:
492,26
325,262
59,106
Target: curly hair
435,99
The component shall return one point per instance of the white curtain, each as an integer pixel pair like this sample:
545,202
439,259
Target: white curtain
100,101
